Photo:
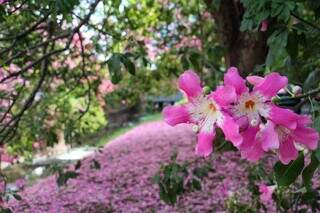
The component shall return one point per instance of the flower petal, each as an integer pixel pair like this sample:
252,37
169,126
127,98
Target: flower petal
271,84
248,137
232,78
205,143
231,130
175,114
250,148
190,83
254,153
224,95
306,136
304,119
255,80
284,117
243,122
287,151
268,137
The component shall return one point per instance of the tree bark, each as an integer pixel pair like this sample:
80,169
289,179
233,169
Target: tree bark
243,50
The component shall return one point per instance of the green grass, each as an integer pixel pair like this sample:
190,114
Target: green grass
108,136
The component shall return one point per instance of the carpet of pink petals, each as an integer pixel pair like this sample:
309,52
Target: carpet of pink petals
124,182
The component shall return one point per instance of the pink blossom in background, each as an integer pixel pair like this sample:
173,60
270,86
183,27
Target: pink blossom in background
206,15
264,26
3,1
152,50
13,68
187,42
195,42
56,65
2,187
37,144
56,82
71,63
266,192
204,111
106,87
76,41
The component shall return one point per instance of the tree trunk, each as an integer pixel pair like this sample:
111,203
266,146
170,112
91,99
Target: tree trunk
243,49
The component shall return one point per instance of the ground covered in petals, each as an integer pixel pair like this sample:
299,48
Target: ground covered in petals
124,181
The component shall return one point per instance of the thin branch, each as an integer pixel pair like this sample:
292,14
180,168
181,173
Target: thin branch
307,94
306,22
10,129
26,32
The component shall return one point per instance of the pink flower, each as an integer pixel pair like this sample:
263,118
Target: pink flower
256,104
56,65
288,139
36,145
283,128
264,25
13,68
71,63
266,192
205,111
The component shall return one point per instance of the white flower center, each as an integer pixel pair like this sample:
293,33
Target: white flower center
205,112
251,105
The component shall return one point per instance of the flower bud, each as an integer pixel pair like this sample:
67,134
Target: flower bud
206,90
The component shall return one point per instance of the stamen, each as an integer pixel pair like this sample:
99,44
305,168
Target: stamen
212,107
249,104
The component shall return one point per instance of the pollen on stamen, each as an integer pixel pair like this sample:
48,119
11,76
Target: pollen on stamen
195,128
249,104
254,122
212,107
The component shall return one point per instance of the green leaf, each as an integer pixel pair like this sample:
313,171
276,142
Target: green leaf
114,66
292,45
95,165
78,165
309,170
194,58
196,185
65,6
184,62
129,65
17,197
312,81
5,210
287,174
64,177
317,152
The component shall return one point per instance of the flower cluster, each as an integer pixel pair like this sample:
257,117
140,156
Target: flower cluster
247,117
